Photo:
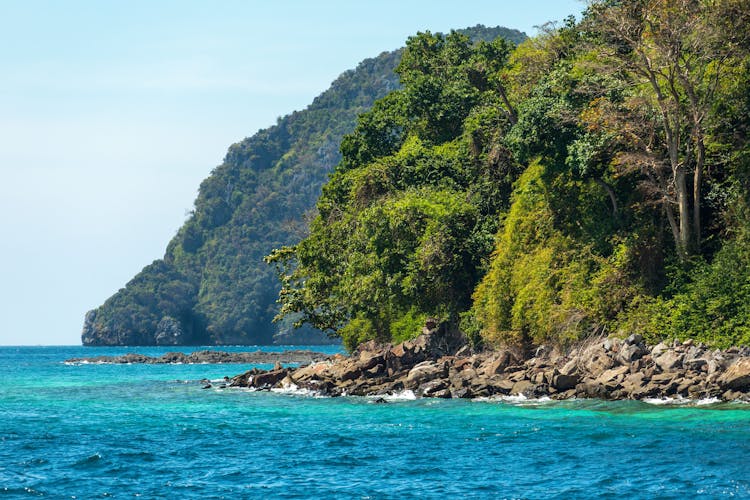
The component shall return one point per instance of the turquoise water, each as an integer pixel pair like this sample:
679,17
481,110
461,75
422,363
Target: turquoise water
92,431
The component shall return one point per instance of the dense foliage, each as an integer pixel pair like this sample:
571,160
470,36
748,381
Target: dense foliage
594,179
212,285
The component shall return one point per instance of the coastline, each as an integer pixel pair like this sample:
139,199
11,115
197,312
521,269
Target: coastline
603,368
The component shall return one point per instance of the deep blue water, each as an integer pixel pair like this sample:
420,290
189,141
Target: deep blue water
91,431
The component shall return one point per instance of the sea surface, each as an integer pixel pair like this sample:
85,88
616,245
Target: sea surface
152,431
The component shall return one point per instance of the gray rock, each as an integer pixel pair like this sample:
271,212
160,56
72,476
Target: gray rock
669,360
634,339
630,352
424,372
658,349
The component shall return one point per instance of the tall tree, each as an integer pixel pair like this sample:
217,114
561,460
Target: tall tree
675,55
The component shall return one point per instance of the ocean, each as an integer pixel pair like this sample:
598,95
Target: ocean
152,431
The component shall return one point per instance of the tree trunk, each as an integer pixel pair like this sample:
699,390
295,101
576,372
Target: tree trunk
611,193
683,244
697,179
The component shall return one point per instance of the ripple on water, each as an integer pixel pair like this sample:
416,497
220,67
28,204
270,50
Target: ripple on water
135,430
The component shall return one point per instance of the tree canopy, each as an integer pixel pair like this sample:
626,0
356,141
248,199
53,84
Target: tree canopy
593,179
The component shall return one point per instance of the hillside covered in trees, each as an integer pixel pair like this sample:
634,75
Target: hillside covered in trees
592,180
212,286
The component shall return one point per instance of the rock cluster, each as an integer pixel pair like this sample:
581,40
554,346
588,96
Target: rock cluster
210,357
601,368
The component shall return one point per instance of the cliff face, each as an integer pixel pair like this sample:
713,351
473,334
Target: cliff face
212,286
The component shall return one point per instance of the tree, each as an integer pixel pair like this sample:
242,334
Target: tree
675,56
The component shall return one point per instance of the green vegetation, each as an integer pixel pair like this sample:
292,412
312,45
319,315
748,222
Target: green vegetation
212,286
594,179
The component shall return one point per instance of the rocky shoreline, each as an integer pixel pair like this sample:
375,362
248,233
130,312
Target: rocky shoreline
599,368
210,357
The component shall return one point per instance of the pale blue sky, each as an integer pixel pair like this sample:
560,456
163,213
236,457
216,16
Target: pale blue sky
112,112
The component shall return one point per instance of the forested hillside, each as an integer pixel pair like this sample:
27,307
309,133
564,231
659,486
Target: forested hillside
212,286
593,180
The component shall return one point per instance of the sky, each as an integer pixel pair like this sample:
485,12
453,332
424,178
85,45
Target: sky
111,114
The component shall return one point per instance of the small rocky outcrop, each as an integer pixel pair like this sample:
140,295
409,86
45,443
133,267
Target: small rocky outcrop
210,357
599,368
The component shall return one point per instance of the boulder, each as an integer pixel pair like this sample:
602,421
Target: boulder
268,379
658,349
669,360
463,393
596,361
634,339
370,359
737,376
563,382
612,378
504,386
570,367
424,372
431,388
496,364
523,387
630,352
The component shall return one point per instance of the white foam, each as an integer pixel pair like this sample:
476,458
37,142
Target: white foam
707,401
405,395
517,399
679,400
294,390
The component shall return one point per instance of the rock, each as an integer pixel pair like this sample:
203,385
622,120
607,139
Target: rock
462,363
563,382
523,387
424,372
595,361
633,383
496,364
347,372
668,360
611,345
570,367
658,349
663,378
611,378
634,339
269,379
463,393
630,352
737,376
201,357
731,395
432,387
369,359
542,351
504,386
374,371
589,388
464,351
